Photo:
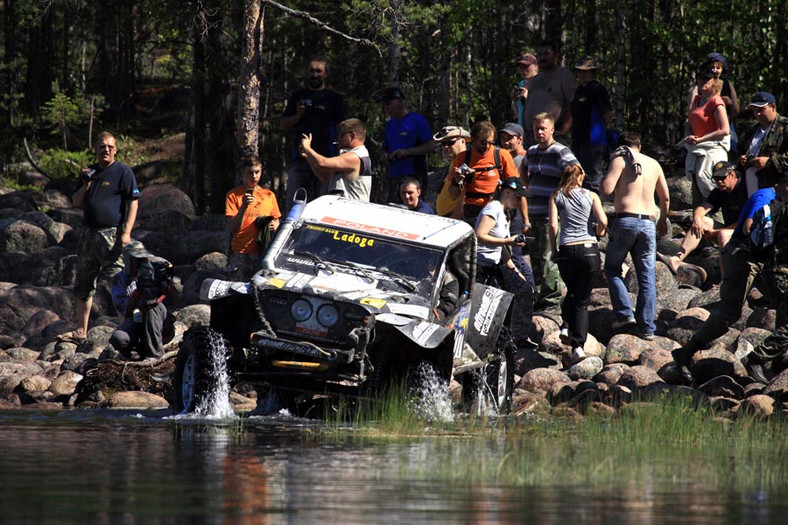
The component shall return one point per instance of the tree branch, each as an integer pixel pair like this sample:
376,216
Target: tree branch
319,23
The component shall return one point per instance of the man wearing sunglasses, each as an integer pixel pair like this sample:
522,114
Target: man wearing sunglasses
486,165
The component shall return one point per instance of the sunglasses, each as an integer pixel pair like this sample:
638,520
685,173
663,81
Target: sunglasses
448,143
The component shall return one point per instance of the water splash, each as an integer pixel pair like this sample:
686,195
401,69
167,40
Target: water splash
216,404
430,396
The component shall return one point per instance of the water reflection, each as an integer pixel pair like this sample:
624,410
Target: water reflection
105,467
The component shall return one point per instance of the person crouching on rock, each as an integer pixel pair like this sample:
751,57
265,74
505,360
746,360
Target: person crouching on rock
138,293
578,257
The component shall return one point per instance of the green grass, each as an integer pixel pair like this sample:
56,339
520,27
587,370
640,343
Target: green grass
669,441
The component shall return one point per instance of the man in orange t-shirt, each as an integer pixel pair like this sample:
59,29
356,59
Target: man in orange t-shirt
243,207
480,157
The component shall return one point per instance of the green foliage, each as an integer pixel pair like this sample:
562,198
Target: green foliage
61,113
61,164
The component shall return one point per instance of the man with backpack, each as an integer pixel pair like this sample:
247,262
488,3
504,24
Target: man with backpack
480,171
774,349
742,263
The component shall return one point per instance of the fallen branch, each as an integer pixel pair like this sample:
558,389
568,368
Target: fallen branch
319,23
32,160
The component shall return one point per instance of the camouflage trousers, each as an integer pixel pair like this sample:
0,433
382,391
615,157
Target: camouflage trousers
776,345
98,250
546,274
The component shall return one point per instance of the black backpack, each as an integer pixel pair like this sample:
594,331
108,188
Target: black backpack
154,279
496,157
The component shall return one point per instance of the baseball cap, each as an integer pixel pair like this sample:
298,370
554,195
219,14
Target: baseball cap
451,132
721,169
390,94
515,184
513,129
586,63
761,99
526,59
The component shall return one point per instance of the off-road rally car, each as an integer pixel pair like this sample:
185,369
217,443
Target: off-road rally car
349,296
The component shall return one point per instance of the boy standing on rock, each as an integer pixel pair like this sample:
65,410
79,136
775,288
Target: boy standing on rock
634,177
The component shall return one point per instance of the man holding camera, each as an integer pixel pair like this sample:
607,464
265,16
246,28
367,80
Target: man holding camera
252,216
316,110
480,171
108,194
764,148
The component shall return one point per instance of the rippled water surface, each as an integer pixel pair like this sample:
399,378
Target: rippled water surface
126,467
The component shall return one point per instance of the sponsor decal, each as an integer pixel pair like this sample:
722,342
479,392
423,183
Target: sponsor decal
423,331
299,281
375,303
486,312
368,228
352,238
276,282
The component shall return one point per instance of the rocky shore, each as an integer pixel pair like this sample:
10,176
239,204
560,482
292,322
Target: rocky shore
38,234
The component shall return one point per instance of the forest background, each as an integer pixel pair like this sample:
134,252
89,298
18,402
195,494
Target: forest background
214,75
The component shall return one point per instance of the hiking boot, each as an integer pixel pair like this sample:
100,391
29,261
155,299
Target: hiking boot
683,358
754,367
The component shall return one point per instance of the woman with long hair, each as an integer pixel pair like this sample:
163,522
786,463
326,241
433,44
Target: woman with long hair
708,141
494,263
578,256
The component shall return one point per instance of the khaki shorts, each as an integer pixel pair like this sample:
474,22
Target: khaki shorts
97,250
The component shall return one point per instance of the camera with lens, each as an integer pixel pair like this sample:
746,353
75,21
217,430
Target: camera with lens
88,175
467,172
520,238
307,102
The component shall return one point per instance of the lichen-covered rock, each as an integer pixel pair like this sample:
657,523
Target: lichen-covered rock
708,364
588,368
611,373
542,379
638,377
136,399
66,383
758,405
724,386
626,348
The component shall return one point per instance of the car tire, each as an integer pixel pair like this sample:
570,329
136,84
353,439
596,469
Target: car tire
196,370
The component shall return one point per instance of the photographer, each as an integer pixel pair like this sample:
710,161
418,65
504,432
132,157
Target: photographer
252,213
480,171
138,293
494,263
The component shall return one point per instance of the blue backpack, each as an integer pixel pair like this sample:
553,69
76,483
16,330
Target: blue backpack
762,231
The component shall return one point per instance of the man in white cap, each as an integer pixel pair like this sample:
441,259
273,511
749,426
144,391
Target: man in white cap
512,141
452,141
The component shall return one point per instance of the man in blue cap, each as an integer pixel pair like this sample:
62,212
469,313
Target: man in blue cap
764,148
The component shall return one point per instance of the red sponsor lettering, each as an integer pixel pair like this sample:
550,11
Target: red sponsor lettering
388,232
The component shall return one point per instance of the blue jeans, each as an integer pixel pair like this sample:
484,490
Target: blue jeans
639,238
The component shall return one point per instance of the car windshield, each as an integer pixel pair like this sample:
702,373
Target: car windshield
337,249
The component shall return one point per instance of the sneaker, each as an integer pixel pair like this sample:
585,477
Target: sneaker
578,354
563,335
647,337
627,323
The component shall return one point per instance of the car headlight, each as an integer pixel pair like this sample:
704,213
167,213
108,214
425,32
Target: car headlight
328,315
301,310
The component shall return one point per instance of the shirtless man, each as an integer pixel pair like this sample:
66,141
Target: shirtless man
634,177
350,172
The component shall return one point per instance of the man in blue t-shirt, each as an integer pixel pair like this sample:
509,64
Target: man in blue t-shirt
108,194
741,267
410,192
406,142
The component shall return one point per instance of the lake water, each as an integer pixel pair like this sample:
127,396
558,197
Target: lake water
129,467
